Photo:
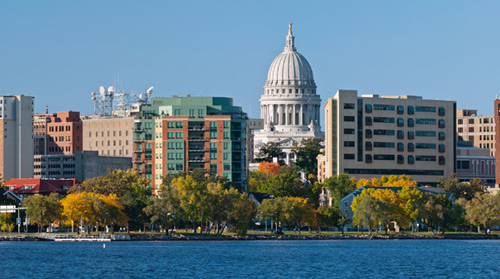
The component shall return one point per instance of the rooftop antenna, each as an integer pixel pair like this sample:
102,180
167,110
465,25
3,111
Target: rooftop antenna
46,109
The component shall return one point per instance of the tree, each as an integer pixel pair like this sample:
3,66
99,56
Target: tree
257,179
408,199
483,210
241,216
192,198
298,212
306,153
74,208
285,184
6,222
327,216
43,210
269,168
274,210
133,191
466,190
339,187
439,213
269,151
369,212
165,209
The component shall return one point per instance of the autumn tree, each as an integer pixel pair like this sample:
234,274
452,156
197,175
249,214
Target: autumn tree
74,208
409,199
43,210
133,191
192,199
269,168
298,212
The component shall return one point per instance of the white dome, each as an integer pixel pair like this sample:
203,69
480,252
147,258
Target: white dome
290,68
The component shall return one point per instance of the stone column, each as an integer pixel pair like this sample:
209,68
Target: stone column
301,116
293,115
287,118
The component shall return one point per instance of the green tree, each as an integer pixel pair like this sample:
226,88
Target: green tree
466,190
339,187
271,150
369,212
439,213
242,214
274,210
43,210
306,153
327,216
165,209
482,211
6,222
285,184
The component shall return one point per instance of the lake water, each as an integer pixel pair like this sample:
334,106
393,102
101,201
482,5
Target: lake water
252,259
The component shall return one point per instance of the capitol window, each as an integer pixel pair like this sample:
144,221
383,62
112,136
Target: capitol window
283,91
290,90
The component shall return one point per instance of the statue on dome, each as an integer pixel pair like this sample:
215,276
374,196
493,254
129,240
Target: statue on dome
290,28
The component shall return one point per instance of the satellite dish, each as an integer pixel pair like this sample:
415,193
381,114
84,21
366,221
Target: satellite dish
93,98
141,96
93,94
150,90
111,89
102,90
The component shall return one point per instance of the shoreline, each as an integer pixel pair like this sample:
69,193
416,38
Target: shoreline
147,237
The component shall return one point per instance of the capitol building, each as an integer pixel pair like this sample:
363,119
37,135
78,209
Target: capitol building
289,106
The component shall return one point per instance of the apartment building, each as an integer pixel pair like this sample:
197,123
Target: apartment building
371,136
16,136
185,133
109,136
477,129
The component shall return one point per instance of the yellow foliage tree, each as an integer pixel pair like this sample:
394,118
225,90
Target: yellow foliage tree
269,168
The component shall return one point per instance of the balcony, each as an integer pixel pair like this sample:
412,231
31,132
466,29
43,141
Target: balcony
196,138
196,128
196,160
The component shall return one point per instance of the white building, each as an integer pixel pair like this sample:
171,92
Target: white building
16,136
290,106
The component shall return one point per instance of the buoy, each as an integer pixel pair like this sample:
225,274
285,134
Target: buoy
104,245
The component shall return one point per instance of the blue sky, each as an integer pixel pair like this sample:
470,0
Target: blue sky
60,51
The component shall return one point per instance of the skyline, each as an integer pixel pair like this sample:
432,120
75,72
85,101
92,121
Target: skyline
61,52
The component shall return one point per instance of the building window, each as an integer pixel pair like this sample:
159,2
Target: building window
171,135
368,158
384,107
411,159
426,134
178,124
368,146
349,106
425,109
411,110
411,135
426,158
349,156
368,133
348,143
383,157
401,146
401,134
401,109
368,108
425,121
441,123
379,132
401,122
441,148
170,124
383,119
348,131
401,159
368,121
349,118
441,111
411,147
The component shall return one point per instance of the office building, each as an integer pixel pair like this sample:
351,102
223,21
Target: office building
372,136
16,136
479,130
